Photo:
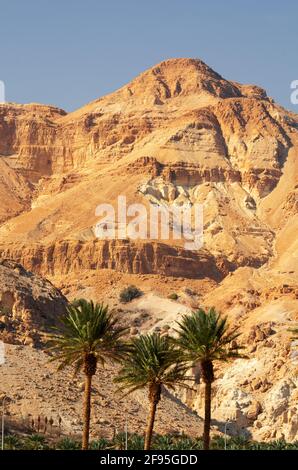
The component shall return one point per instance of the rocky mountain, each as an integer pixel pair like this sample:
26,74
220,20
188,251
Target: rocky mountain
178,134
181,134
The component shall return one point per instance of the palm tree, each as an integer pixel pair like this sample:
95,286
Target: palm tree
152,361
90,335
204,337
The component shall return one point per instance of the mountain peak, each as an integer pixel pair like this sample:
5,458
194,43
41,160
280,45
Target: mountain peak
186,63
181,76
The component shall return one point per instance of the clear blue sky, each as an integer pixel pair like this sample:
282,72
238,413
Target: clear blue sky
70,52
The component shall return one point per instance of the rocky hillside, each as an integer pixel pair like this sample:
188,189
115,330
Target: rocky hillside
29,305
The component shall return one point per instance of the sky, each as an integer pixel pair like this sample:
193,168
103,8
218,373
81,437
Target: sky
70,52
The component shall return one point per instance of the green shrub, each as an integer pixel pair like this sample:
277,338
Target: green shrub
35,442
280,444
67,443
173,296
129,293
134,441
186,443
12,442
238,443
100,444
218,443
173,442
163,442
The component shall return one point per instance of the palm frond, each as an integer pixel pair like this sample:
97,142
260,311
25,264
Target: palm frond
149,359
205,336
87,328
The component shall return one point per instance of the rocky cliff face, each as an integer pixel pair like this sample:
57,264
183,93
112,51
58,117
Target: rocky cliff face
137,258
15,192
29,305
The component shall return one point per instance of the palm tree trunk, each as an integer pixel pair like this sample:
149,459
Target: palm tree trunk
154,397
150,425
207,419
87,412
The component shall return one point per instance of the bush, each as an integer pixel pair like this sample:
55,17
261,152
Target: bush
134,441
173,442
173,296
68,444
130,293
12,442
100,444
35,442
161,442
186,443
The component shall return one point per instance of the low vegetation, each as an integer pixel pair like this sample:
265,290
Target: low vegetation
136,442
129,293
173,296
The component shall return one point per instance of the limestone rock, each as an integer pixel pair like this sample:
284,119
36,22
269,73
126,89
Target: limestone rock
30,305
